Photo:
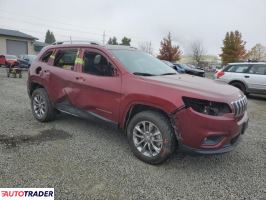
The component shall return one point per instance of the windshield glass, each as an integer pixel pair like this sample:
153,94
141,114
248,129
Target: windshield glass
31,57
141,63
10,57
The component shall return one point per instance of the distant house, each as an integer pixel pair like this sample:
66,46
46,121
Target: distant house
18,43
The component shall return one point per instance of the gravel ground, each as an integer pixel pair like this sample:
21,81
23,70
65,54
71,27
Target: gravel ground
92,160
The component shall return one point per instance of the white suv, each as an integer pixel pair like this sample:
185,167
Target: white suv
250,77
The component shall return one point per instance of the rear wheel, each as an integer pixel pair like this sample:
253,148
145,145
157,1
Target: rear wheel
240,86
42,108
151,137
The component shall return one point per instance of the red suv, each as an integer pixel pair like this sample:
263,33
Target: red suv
159,109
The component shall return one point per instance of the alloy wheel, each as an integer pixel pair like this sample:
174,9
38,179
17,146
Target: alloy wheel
147,138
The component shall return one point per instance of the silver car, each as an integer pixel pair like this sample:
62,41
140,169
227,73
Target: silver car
250,77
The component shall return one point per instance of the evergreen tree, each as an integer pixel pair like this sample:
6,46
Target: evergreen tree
125,41
49,37
168,51
112,41
233,49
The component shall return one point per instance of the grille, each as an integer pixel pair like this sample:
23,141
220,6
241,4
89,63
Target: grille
240,106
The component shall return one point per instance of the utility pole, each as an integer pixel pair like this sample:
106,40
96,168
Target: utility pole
104,38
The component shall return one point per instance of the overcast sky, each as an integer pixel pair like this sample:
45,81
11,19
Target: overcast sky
141,20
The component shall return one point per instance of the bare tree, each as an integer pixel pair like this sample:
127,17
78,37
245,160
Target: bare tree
198,51
147,47
258,53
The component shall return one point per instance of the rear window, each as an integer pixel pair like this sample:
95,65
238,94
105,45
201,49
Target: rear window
237,68
46,56
66,58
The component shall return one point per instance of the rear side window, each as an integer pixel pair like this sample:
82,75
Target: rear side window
258,69
237,68
46,56
66,59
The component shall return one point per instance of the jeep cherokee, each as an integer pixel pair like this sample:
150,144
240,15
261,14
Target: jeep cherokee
159,109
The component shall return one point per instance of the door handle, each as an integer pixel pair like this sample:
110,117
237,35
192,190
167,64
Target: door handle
246,76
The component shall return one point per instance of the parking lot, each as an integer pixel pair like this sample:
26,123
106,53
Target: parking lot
92,160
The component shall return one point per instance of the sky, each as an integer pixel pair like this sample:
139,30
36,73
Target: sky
141,20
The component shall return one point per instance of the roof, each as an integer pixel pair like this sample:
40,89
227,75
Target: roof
246,63
14,33
86,44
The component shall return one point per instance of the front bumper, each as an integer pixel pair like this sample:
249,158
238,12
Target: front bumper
194,129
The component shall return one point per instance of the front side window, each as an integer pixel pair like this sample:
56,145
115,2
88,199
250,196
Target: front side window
141,63
258,69
97,64
238,68
66,59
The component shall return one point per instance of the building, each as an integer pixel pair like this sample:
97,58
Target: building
17,43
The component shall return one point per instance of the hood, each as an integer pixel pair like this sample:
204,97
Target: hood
200,87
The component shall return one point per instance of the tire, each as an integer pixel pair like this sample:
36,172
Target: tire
166,141
240,86
42,108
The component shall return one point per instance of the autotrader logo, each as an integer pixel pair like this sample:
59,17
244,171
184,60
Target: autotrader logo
27,193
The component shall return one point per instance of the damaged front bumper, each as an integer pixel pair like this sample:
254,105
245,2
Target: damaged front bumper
205,134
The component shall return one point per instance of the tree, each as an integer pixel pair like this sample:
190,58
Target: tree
112,41
197,51
258,53
49,37
146,47
125,41
168,51
233,49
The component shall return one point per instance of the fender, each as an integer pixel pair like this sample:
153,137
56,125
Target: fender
153,101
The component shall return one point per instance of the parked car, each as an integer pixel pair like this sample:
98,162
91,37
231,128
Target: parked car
25,60
177,68
159,109
8,60
191,70
249,77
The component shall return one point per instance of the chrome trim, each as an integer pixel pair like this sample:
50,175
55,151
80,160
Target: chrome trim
240,106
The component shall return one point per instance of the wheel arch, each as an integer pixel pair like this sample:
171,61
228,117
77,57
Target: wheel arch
239,81
135,108
33,86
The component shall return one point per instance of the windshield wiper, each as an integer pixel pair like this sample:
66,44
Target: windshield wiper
143,74
171,73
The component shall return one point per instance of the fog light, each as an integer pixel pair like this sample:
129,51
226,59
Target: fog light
212,140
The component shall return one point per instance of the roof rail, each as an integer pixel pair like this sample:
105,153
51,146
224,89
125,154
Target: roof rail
75,42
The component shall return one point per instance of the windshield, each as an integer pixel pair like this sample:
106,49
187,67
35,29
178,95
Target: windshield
141,63
10,57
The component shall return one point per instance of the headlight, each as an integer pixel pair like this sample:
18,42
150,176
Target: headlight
207,107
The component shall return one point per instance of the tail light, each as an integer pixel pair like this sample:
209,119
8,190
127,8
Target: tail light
219,74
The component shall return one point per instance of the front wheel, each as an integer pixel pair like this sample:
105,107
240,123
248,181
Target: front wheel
240,86
151,137
42,108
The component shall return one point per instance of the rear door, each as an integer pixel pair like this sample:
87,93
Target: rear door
61,73
98,85
256,78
